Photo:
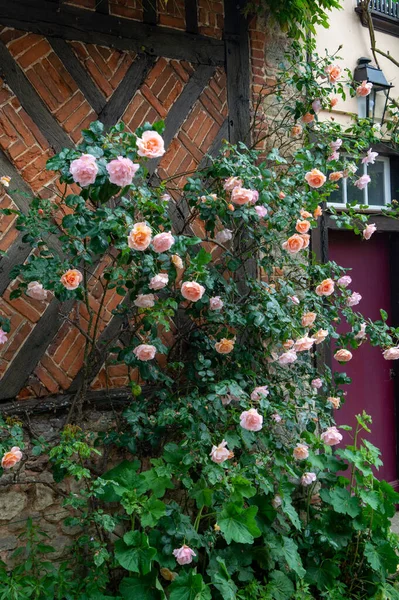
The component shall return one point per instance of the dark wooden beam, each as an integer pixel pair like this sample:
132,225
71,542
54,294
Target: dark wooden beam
102,6
71,23
72,64
31,101
150,12
132,81
237,70
382,223
191,10
394,321
16,255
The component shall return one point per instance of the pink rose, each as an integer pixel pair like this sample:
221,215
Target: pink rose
391,353
361,334
320,336
343,355
364,89
308,319
184,555
241,196
304,343
251,420
121,171
333,156
163,242
71,279
224,236
370,157
165,197
193,291
287,357
216,303
336,145
317,383
315,178
145,301
140,237
362,182
159,281
259,393
308,478
3,337
150,145
353,299
261,211
145,352
331,436
231,183
36,291
255,197
276,417
325,288
316,105
294,299
84,170
344,281
368,232
277,501
301,452
220,453
11,458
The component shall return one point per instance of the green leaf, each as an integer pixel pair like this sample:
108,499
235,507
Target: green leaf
281,587
382,557
223,582
238,524
291,513
292,557
156,483
342,501
134,553
201,494
189,586
142,588
153,511
323,575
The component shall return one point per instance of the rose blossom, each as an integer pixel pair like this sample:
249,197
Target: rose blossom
241,196
353,299
331,436
370,157
150,145
391,353
320,336
318,211
159,281
302,226
259,393
276,417
316,105
11,458
121,171
335,402
305,214
287,357
224,236
165,197
255,197
294,244
36,291
334,101
184,555
251,420
307,118
308,478
3,336
336,145
325,288
191,290
308,319
296,130
224,346
344,281
335,176
216,303
362,182
145,352
301,452
261,211
294,299
5,180
281,195
220,453
333,156
231,183
368,232
333,73
351,169
177,261
145,301
361,334
317,383
304,343
315,178
288,344
84,170
139,237
71,279
343,355
364,89
277,501
163,242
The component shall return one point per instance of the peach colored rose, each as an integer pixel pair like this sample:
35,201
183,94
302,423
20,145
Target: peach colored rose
287,357
150,145
36,291
121,171
306,239
302,226
317,212
288,344
84,170
343,355
335,176
184,555
368,232
335,402
344,281
308,118
294,244
216,303
320,336
296,130
140,237
177,261
334,101
333,73
71,279
305,215
145,301
308,319
159,281
308,478
224,346
241,196
301,452
145,352
163,242
231,183
220,453
317,383
259,392
364,89
193,291
304,343
281,195
251,420
315,178
391,353
331,436
11,458
325,288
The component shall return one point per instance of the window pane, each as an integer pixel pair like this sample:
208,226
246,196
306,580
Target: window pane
354,194
376,186
337,196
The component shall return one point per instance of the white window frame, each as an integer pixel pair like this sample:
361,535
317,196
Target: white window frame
387,187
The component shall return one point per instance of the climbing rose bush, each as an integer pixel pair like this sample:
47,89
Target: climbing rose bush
235,482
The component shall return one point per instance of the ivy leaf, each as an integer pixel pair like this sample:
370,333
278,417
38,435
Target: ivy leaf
157,484
238,524
153,511
134,553
292,557
145,588
281,586
189,586
323,575
341,501
382,557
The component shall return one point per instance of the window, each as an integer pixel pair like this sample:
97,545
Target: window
376,194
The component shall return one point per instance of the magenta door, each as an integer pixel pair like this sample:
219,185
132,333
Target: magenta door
372,387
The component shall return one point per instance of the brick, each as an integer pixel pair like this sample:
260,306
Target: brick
27,157
156,71
34,53
77,364
7,128
39,137
8,239
17,341
22,43
33,169
59,376
7,35
69,107
75,350
211,109
76,118
16,149
45,378
5,94
42,89
121,71
153,100
99,78
192,148
17,120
